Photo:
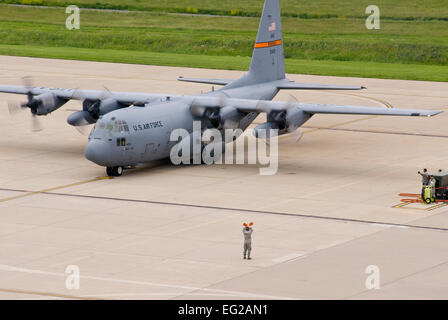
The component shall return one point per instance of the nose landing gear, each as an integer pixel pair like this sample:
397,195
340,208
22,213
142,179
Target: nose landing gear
114,171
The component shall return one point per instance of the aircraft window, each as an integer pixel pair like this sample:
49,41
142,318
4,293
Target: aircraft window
121,142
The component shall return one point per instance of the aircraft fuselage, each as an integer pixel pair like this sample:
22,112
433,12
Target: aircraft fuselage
131,136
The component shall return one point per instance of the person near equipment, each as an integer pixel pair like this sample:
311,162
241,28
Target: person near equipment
425,180
432,184
247,232
425,176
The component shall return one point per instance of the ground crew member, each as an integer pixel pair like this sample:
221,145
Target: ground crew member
247,232
425,176
425,180
432,184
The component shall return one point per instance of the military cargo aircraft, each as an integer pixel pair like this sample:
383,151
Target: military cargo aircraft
134,128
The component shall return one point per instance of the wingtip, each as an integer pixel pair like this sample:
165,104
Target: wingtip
433,113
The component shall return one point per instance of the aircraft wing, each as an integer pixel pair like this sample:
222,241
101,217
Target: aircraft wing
220,82
125,98
311,108
335,109
42,101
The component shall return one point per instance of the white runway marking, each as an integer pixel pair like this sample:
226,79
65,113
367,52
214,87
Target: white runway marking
216,292
290,257
389,226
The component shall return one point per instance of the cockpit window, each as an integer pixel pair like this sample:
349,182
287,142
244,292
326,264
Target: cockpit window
121,126
117,126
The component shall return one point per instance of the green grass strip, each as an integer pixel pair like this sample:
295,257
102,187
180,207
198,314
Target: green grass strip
296,66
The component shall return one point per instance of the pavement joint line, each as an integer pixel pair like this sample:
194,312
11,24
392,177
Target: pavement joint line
187,289
296,215
30,193
47,294
387,283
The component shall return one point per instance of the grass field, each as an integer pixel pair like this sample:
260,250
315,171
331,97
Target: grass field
316,67
395,10
412,42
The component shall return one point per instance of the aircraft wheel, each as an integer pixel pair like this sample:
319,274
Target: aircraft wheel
428,200
114,171
117,171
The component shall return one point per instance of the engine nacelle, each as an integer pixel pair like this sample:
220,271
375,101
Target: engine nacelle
282,122
92,110
229,117
109,105
264,130
47,103
295,118
80,118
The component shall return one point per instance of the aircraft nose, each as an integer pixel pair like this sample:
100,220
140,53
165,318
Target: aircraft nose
98,152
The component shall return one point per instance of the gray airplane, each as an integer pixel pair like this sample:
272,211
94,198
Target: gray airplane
134,128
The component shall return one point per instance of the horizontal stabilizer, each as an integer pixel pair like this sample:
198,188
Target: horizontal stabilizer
291,85
220,82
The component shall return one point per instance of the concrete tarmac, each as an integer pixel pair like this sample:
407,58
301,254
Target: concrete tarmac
165,232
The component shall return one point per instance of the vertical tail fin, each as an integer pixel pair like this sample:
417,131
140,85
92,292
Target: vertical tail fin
268,62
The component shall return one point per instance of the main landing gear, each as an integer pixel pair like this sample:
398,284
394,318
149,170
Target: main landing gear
114,171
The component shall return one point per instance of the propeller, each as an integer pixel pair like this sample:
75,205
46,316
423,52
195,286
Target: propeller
293,134
90,109
32,104
223,115
36,125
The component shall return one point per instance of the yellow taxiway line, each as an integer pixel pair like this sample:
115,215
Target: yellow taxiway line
404,204
53,189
